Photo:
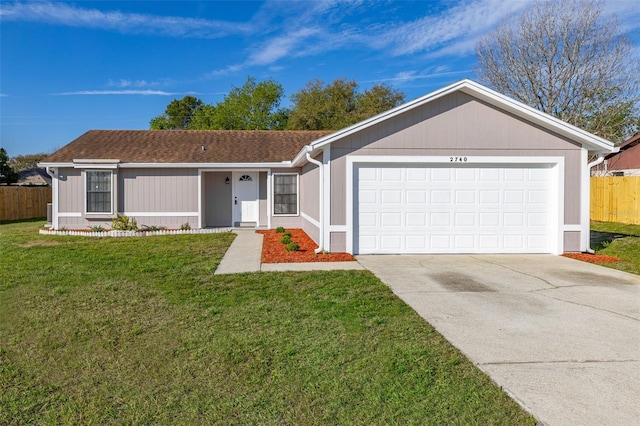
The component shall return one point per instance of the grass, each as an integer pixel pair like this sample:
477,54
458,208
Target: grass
140,331
619,240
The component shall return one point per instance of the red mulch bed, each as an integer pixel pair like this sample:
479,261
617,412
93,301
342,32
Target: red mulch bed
273,251
592,258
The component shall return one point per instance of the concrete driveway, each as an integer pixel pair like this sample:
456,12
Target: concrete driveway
562,337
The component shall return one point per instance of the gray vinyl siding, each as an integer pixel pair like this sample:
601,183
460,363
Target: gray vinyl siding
217,199
70,190
310,198
158,190
262,199
286,221
338,241
456,125
309,190
572,241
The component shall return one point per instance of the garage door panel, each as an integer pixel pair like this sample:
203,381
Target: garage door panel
415,209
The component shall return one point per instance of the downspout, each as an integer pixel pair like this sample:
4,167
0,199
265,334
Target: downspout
590,166
321,167
54,196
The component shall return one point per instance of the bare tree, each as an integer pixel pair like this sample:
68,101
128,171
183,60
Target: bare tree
565,58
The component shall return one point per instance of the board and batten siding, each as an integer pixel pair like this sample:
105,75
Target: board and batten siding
455,125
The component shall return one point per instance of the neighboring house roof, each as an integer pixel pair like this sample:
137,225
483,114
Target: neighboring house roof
628,156
186,146
589,141
34,176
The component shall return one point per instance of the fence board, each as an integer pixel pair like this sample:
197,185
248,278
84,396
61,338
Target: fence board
615,199
24,202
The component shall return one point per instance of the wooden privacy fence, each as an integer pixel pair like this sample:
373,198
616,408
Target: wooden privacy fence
24,202
616,199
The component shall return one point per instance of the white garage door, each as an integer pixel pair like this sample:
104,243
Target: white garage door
420,209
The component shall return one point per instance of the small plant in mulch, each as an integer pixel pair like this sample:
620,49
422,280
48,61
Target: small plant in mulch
293,246
185,227
124,223
153,228
286,239
97,228
273,251
280,229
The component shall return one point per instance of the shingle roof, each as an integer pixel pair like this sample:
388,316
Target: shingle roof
185,146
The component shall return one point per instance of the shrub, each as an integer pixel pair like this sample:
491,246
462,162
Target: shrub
185,227
280,229
124,223
293,246
285,239
97,228
288,234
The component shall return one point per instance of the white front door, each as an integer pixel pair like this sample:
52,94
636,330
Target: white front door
245,197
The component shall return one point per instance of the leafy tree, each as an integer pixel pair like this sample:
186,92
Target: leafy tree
7,174
254,106
379,98
203,118
338,105
27,161
565,58
177,115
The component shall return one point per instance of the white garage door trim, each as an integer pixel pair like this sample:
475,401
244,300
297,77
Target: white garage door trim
556,179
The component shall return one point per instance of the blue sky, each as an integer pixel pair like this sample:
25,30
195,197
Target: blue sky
68,67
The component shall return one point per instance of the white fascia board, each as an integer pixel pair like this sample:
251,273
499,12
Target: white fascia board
45,165
101,166
228,166
586,139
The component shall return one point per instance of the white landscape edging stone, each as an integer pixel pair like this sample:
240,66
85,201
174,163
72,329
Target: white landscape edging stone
134,233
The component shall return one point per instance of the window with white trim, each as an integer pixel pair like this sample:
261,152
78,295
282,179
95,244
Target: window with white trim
99,191
285,194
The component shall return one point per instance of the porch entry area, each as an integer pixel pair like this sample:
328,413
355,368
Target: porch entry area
234,198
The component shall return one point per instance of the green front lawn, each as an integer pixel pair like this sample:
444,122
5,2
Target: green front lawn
619,240
140,331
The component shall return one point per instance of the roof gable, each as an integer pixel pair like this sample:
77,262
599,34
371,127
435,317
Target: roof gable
587,140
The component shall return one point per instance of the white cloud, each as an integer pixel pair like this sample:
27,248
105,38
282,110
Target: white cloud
458,26
117,92
122,83
65,14
281,46
408,76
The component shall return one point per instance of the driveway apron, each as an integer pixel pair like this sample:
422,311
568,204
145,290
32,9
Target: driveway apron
561,336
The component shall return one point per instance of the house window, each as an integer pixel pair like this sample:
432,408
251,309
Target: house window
245,178
98,191
285,194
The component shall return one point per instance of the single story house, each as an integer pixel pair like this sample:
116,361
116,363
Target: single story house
624,162
35,176
460,170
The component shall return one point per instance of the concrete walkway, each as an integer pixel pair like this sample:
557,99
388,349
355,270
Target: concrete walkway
559,335
245,253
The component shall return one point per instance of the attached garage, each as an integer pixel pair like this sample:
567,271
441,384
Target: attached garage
461,170
456,208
